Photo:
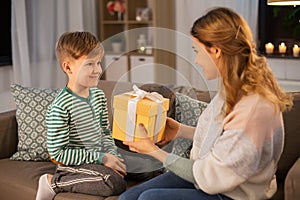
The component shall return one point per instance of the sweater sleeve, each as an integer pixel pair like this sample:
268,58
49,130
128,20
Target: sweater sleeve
182,167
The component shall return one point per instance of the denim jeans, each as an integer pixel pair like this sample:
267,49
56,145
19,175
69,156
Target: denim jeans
168,186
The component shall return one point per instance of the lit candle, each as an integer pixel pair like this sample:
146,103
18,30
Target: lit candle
269,48
282,48
296,50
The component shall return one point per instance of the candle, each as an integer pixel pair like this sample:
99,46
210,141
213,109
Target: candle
282,48
269,48
296,50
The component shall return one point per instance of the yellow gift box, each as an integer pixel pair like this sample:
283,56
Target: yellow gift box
146,111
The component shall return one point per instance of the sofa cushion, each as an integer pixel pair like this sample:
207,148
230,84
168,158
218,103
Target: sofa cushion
32,104
291,151
8,134
19,179
187,111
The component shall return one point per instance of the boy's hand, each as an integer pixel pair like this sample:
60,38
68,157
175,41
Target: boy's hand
114,163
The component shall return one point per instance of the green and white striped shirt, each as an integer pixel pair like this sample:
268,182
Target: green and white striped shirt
78,128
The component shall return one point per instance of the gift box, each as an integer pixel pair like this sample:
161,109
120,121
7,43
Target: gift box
131,109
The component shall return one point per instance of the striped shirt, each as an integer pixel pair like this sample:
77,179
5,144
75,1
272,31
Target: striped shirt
78,128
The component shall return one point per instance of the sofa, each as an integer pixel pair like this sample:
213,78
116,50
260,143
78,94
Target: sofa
19,179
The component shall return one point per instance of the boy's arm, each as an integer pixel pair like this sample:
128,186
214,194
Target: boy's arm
57,121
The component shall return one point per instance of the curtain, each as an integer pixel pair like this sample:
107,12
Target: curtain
187,11
36,26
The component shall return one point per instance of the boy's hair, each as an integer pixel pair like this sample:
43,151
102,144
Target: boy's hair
77,44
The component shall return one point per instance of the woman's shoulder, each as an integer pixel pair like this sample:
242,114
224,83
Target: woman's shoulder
252,108
255,103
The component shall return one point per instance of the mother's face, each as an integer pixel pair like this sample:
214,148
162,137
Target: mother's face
207,59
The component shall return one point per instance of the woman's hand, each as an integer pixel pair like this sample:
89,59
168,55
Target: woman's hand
146,146
114,163
171,131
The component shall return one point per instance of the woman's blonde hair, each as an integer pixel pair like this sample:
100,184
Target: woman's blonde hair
242,70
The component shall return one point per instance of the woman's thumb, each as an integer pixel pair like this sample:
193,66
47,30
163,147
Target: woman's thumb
143,131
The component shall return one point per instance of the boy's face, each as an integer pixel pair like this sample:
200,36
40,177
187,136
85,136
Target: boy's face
85,71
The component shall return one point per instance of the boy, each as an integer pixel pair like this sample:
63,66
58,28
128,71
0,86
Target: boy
79,139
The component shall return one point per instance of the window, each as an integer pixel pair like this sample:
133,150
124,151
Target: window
278,24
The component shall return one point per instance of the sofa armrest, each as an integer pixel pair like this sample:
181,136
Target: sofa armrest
8,134
292,182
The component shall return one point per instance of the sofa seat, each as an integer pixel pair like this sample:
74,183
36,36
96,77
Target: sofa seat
24,183
23,177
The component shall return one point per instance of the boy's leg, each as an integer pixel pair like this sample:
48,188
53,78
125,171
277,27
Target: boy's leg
166,180
90,179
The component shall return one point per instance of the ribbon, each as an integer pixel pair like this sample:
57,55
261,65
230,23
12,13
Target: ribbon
131,111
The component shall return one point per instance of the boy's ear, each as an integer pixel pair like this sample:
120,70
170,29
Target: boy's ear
66,67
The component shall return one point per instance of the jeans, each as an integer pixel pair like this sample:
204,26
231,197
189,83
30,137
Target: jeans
168,186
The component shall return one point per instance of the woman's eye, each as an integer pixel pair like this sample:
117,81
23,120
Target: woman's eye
194,50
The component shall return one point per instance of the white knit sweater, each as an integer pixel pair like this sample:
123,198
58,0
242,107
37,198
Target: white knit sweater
237,156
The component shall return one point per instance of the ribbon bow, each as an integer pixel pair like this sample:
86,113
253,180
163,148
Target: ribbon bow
140,94
131,110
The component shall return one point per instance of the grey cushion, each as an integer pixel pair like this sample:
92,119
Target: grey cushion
32,105
187,111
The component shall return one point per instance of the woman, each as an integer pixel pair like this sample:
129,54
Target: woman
239,137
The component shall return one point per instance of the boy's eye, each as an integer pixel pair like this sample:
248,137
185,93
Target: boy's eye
89,64
99,63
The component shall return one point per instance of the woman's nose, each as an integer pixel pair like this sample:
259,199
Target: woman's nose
97,68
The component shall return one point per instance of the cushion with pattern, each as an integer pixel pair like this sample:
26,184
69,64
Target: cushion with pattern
31,109
187,111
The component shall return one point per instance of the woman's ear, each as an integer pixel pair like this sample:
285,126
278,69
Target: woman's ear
217,51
